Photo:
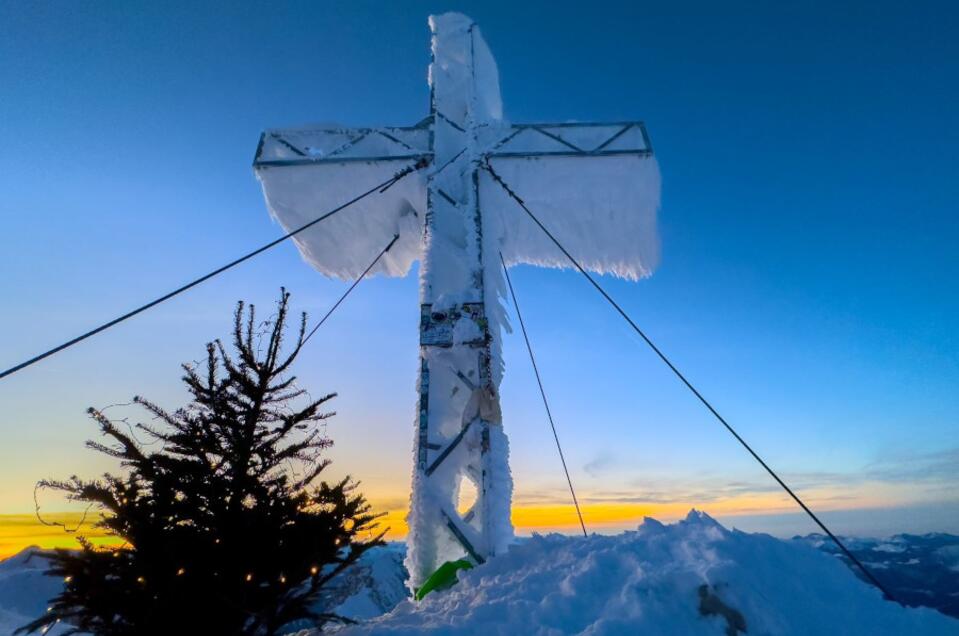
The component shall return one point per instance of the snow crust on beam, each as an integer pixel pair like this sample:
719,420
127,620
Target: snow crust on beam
343,245
601,208
338,144
457,45
460,267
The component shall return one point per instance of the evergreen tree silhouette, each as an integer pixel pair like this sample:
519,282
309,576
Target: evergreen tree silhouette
227,527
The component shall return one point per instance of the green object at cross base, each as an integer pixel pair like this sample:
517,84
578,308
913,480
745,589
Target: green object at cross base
443,578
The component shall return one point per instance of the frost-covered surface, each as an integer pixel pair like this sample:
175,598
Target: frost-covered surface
463,385
648,582
343,245
602,208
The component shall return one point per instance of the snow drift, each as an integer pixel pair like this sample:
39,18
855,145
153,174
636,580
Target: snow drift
692,577
644,582
25,590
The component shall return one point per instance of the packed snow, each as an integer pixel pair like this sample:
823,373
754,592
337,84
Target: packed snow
25,591
645,582
692,577
370,588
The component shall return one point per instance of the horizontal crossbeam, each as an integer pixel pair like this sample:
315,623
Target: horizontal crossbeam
309,146
337,145
574,139
305,161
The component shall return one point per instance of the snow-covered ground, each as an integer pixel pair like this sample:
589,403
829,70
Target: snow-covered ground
374,586
692,577
24,590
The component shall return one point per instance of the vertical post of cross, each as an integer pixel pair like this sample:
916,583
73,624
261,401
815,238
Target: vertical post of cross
458,402
603,182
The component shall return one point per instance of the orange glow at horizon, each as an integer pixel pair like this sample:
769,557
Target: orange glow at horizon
22,531
616,516
18,531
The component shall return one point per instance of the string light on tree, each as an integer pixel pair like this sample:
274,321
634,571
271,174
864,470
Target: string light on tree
161,506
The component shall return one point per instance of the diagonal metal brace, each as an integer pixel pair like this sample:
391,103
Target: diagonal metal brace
462,539
449,449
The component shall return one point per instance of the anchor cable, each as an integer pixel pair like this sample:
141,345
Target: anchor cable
542,392
869,575
382,187
352,287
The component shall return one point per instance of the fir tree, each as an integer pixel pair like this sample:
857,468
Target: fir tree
227,527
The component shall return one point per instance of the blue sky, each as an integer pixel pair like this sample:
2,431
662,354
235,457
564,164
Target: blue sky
809,276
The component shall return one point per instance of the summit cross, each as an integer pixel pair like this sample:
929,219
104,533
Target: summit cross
597,181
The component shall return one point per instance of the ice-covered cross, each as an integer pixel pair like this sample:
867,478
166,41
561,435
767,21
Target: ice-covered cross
595,186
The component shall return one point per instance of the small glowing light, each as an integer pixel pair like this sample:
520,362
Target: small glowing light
282,579
180,572
67,579
314,570
249,577
216,541
141,580
49,609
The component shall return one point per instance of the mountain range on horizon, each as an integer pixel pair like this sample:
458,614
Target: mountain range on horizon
920,570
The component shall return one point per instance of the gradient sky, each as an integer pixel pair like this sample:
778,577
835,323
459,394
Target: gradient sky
808,283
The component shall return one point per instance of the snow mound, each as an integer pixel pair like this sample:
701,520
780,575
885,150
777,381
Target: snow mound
25,590
374,586
692,577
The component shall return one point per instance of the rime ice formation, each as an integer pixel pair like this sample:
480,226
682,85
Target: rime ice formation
595,186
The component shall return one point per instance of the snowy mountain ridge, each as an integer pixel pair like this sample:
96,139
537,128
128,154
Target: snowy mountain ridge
691,577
